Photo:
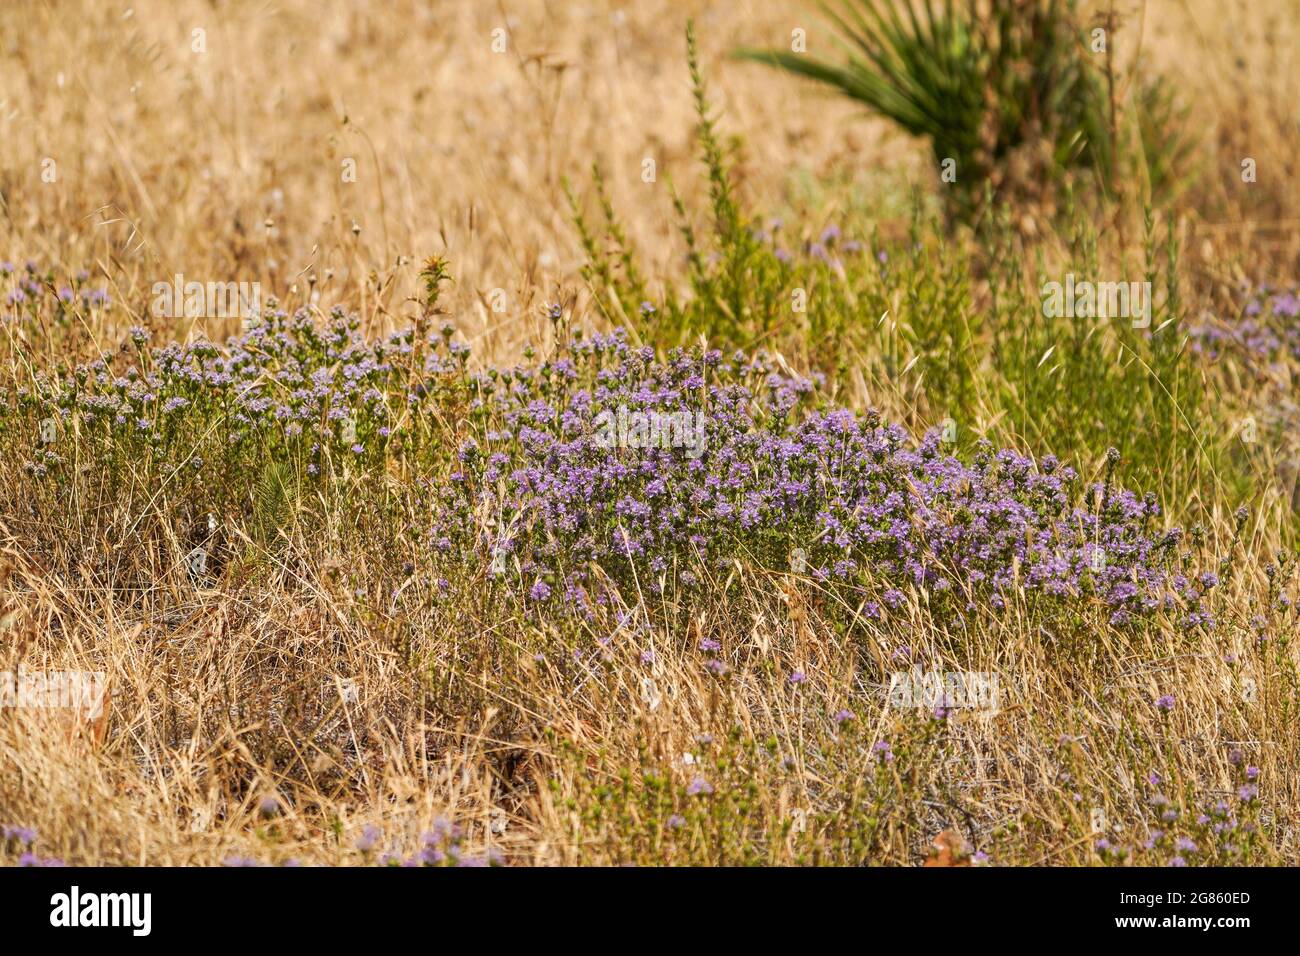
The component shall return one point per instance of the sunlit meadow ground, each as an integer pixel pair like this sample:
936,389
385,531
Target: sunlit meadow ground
360,675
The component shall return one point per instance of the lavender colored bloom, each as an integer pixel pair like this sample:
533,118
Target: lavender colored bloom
370,835
432,856
1166,702
23,835
699,786
442,831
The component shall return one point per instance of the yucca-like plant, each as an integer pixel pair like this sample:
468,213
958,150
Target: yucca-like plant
1001,90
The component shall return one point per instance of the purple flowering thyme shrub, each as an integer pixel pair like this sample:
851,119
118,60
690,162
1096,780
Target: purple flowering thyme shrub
601,467
240,433
287,388
578,463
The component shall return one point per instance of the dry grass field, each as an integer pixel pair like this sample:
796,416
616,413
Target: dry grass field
432,623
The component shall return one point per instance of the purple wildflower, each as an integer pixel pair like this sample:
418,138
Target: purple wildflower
370,835
699,786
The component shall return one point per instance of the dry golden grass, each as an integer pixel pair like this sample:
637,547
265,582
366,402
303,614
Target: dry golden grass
171,161
228,164
225,698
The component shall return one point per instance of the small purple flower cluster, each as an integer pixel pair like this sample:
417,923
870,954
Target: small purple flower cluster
1266,328
439,846
1222,832
21,839
29,290
827,247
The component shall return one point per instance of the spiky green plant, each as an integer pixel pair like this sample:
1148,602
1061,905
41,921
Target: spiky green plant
275,504
1004,93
